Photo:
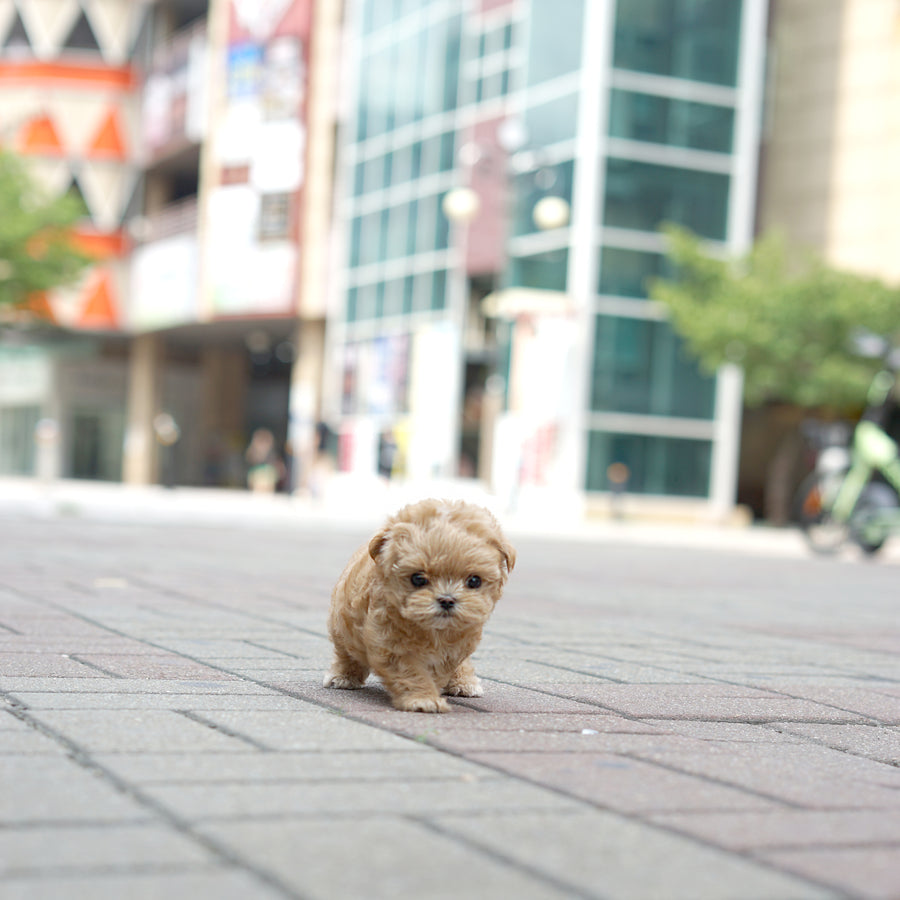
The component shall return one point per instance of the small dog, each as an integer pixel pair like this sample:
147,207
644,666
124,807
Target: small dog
411,604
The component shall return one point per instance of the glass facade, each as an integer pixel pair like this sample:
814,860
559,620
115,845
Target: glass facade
627,273
433,73
641,367
667,120
644,196
692,39
656,464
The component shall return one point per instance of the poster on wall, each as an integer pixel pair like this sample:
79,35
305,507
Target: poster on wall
260,147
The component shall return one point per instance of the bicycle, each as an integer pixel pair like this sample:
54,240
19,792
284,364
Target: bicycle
853,494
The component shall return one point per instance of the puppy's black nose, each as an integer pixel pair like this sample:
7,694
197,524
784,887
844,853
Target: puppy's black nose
446,603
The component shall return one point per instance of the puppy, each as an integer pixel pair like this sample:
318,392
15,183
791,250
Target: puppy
411,604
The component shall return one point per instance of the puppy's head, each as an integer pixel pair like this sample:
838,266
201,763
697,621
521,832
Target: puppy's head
443,565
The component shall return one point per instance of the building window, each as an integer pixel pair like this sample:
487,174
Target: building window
550,123
643,196
530,187
664,120
17,425
543,270
274,216
692,39
555,42
641,366
657,465
626,273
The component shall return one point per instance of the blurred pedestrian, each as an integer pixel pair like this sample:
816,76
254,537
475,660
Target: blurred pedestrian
264,465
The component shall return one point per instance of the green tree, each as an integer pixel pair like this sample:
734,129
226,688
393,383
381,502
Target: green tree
36,248
786,318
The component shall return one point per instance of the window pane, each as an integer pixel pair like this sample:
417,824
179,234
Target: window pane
439,289
425,225
555,43
693,39
663,120
393,298
625,273
451,66
396,241
356,242
370,239
352,304
447,158
641,366
657,465
551,122
532,186
544,270
644,196
412,225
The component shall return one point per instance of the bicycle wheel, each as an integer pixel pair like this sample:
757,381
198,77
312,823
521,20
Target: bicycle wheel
865,529
813,513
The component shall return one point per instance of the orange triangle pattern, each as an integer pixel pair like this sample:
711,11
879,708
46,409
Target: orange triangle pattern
108,142
39,135
99,310
39,305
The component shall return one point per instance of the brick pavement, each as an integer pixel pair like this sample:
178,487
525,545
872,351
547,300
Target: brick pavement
658,722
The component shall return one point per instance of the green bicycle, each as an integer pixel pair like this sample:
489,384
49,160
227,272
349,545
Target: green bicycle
855,496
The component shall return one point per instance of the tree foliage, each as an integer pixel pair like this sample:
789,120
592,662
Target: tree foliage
36,248
787,319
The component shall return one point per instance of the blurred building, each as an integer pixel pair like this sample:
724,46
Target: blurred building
504,170
830,177
69,101
202,145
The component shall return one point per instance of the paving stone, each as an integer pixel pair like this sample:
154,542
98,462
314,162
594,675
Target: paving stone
168,666
624,784
48,789
353,799
382,859
874,741
780,828
870,873
131,731
871,703
706,702
803,774
223,884
318,729
610,854
212,682
81,850
197,701
413,763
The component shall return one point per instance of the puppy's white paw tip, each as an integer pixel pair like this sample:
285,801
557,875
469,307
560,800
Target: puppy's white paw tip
341,683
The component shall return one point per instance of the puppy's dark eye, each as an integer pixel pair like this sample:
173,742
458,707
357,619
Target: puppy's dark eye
473,582
418,579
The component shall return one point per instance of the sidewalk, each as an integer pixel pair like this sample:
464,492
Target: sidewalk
659,721
364,509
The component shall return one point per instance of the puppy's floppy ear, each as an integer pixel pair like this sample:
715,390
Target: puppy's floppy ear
376,545
508,552
384,546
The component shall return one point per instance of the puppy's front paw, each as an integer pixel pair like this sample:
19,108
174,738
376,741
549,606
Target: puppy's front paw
342,682
417,703
469,688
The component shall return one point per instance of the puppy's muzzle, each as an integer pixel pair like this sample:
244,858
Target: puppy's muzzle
446,603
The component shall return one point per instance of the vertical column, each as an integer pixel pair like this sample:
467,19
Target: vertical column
140,460
741,223
306,397
587,193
